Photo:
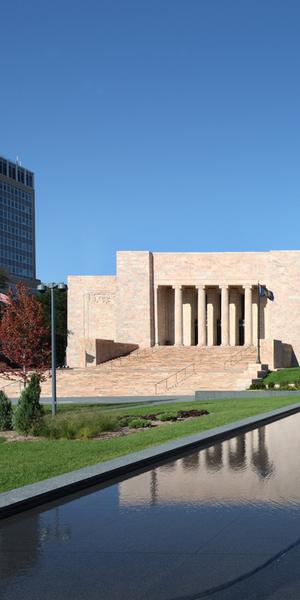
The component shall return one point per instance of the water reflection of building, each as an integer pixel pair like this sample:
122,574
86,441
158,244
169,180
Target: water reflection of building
22,539
260,456
19,538
244,466
237,452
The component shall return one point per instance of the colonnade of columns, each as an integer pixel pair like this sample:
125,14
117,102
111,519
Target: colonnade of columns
205,314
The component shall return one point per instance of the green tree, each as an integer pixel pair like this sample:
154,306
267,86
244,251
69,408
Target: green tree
61,322
29,412
5,412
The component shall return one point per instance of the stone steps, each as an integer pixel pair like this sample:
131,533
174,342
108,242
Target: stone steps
214,368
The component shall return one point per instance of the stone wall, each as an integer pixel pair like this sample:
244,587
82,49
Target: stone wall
91,316
135,298
283,315
107,350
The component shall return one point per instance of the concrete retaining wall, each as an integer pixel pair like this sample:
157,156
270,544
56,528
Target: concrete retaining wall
216,395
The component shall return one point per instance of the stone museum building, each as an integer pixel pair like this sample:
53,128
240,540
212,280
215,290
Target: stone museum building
192,299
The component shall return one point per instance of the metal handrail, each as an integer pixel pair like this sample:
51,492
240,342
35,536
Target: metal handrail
3,387
233,360
166,379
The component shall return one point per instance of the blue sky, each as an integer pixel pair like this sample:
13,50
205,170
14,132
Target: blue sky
169,125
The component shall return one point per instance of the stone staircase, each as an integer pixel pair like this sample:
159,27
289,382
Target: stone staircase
163,370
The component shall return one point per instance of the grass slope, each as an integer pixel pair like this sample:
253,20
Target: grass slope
289,375
27,462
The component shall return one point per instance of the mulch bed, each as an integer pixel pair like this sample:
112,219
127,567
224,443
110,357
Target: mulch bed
181,414
13,436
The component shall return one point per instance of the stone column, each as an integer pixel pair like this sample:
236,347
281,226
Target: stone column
156,340
254,318
211,317
248,314
178,315
233,318
201,315
224,315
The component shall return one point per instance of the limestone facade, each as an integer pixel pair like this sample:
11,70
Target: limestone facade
190,299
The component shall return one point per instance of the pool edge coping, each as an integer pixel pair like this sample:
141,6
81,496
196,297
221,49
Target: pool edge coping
35,494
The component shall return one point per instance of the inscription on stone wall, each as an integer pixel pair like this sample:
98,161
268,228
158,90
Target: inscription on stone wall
105,298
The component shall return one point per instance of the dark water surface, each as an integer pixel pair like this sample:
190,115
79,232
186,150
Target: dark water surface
222,523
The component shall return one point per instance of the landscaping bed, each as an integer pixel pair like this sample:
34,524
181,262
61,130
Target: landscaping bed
93,424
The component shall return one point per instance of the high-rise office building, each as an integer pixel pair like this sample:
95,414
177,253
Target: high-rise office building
17,221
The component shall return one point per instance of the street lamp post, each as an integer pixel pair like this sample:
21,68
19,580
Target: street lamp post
42,288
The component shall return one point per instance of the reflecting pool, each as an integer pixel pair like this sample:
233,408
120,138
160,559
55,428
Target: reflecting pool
222,523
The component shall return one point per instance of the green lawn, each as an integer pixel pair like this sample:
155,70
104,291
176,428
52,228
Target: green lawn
27,462
289,375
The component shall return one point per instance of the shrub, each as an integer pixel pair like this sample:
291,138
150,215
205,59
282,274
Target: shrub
297,384
81,425
167,416
285,386
5,412
123,421
85,433
28,414
35,385
271,385
260,385
136,423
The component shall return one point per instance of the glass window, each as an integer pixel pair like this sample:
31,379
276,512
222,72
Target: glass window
12,171
3,166
29,179
21,175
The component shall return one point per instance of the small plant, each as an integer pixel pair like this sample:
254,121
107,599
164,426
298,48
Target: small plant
260,385
168,416
29,412
85,433
5,412
136,423
285,387
123,421
297,384
186,414
271,385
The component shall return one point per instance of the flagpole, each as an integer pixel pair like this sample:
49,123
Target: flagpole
258,360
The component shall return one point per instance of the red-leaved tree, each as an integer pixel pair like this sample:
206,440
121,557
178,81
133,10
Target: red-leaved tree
23,335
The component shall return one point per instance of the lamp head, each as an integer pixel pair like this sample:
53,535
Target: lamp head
62,287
